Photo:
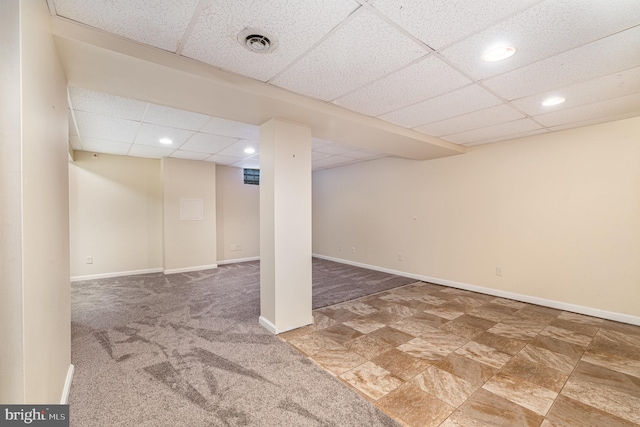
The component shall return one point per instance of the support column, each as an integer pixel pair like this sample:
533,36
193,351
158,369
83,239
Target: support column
285,226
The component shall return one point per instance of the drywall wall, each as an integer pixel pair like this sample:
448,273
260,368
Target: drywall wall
41,192
238,216
115,214
558,213
11,331
189,215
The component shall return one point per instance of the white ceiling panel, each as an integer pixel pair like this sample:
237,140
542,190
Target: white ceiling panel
541,31
237,149
333,149
248,163
104,146
332,161
495,131
611,107
206,143
365,48
217,126
507,137
150,134
223,160
422,80
159,23
453,104
318,142
172,117
600,119
603,88
317,156
606,56
295,25
189,155
74,140
111,128
72,125
108,105
149,151
441,22
478,119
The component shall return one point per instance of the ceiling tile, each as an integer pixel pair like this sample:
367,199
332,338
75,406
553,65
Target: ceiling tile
317,143
108,105
72,125
335,67
103,127
206,143
477,119
189,155
223,160
159,23
363,154
600,89
495,131
508,137
295,25
151,134
172,117
248,163
237,149
441,22
606,56
217,126
333,149
315,155
611,107
595,121
149,151
74,140
104,146
425,79
544,30
332,161
455,103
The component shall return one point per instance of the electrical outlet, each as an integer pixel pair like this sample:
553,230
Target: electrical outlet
339,248
236,248
353,248
400,257
89,260
498,271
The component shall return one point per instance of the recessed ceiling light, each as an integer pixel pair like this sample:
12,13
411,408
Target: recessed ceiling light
165,141
256,40
498,53
249,150
554,100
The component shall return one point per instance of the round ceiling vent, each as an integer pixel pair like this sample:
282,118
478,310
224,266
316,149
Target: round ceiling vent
256,40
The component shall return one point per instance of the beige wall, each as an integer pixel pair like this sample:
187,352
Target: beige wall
559,213
11,330
36,356
116,214
238,215
188,245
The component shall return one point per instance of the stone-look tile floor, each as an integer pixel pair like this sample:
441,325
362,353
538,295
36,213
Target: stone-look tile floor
428,355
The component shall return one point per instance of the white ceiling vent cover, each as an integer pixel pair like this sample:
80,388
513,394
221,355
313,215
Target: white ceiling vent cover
257,40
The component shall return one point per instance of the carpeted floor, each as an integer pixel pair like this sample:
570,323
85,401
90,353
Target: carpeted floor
187,350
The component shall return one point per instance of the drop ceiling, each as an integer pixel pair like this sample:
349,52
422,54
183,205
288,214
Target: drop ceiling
412,64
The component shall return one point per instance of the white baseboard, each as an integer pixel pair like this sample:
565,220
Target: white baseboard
236,260
67,386
589,311
267,324
116,274
190,269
